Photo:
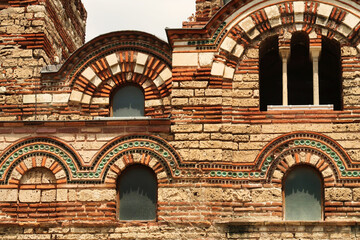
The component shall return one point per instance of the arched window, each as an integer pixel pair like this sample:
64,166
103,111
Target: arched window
303,192
270,73
300,70
137,190
128,101
330,73
300,74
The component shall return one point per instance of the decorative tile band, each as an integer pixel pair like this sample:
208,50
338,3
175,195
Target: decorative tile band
267,162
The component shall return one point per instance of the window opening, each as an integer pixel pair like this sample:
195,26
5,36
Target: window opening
303,194
330,73
301,75
128,101
300,71
137,189
270,73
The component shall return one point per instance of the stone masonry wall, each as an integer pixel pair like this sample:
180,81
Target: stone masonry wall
33,35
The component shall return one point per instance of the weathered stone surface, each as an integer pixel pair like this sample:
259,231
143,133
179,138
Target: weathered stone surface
8,195
338,194
266,195
61,195
185,59
227,195
30,196
48,195
91,195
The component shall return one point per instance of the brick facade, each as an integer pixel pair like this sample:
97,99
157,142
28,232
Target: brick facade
220,162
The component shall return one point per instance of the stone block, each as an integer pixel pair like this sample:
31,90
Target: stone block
266,195
226,195
100,101
139,69
166,74
146,84
182,92
8,195
229,72
206,59
112,59
211,144
213,92
86,99
94,195
217,69
76,96
324,10
351,20
48,195
72,195
185,59
141,58
61,174
44,98
273,15
27,99
115,69
61,195
344,29
212,127
205,101
158,81
88,73
96,81
190,128
299,7
30,196
348,51
238,50
61,98
194,84
338,194
35,8
153,103
247,24
228,44
173,194
179,101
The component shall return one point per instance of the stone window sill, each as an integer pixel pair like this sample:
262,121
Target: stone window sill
299,107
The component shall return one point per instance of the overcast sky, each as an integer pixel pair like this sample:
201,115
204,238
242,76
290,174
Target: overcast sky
151,16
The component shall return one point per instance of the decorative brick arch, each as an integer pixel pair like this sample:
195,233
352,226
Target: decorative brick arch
147,150
240,24
333,20
34,152
310,148
114,60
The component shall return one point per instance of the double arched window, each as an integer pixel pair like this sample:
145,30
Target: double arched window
300,74
303,194
137,193
128,101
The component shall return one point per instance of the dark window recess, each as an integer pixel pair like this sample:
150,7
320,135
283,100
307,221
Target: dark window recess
330,74
128,101
300,71
270,73
137,188
303,194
